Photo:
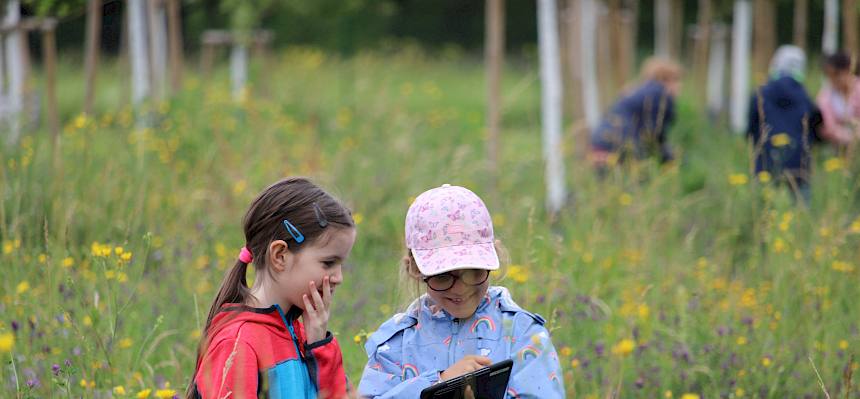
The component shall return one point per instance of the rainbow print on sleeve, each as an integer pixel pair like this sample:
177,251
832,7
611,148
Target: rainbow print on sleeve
409,371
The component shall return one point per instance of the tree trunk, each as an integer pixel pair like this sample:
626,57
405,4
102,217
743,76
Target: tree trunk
702,42
138,53
49,56
801,13
551,98
740,64
494,53
716,72
764,40
174,19
830,40
587,57
627,47
91,58
677,29
849,26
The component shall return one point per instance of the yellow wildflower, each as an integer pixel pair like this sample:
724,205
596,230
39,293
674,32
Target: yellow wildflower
778,245
574,363
766,361
667,394
22,287
7,341
566,351
843,267
843,344
625,199
357,218
764,176
125,257
739,393
165,393
738,179
43,258
741,340
690,396
119,390
88,321
68,262
143,394
780,140
833,164
125,343
624,347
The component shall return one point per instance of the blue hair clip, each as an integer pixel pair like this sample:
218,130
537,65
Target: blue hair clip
297,235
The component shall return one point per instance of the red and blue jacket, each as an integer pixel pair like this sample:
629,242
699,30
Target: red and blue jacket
262,352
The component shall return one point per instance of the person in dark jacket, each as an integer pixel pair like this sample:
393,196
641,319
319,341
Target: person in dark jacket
782,121
637,124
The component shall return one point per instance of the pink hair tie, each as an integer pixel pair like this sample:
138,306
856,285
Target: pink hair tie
245,256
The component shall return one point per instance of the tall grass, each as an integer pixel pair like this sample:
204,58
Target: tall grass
658,281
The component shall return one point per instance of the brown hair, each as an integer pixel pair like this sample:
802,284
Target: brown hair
306,206
661,69
411,278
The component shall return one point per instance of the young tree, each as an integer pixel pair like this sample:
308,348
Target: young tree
801,13
830,38
849,26
494,53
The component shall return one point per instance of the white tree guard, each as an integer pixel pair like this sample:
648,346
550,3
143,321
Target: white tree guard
140,84
716,71
10,106
662,27
830,38
741,36
551,96
238,69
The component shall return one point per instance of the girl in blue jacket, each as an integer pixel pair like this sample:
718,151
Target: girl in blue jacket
462,323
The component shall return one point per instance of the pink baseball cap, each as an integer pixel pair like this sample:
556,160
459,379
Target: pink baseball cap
449,228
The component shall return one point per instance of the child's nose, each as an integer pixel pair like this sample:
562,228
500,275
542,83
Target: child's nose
336,277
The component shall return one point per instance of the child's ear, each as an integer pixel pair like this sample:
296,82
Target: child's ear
280,257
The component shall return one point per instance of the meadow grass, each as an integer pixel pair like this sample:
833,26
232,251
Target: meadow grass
658,281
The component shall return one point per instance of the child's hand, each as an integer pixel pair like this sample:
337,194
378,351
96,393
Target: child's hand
467,364
316,314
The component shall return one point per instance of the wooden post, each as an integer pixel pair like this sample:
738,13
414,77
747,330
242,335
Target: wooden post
91,56
157,47
587,58
849,26
551,98
703,39
605,63
801,13
49,55
494,52
174,22
740,64
677,29
764,39
830,40
627,47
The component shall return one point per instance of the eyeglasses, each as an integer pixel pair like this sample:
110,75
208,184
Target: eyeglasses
444,281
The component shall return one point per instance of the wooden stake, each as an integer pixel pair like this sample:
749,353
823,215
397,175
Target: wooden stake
174,22
91,56
494,51
801,13
49,54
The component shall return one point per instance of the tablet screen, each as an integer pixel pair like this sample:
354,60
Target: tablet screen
487,383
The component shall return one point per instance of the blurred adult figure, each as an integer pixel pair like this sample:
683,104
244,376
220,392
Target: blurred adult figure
782,122
636,125
839,101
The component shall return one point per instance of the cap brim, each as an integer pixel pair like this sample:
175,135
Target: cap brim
441,260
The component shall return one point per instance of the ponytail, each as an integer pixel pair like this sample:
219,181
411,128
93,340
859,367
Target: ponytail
234,289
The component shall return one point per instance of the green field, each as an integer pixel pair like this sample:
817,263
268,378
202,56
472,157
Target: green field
658,282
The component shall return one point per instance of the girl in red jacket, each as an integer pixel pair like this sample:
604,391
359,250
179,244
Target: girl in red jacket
297,237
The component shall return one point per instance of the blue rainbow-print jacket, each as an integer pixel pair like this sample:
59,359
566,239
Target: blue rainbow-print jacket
411,349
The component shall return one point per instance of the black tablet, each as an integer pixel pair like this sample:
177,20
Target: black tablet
487,383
